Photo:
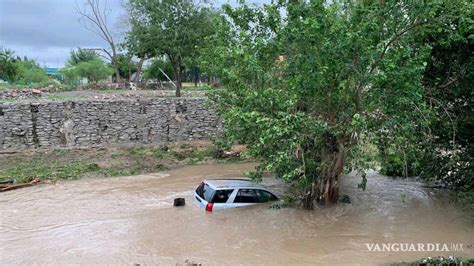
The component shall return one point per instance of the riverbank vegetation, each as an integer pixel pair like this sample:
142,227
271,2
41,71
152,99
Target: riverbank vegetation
122,161
20,70
439,261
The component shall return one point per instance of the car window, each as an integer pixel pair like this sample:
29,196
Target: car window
221,196
205,192
265,196
246,196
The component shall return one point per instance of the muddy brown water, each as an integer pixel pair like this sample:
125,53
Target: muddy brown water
130,220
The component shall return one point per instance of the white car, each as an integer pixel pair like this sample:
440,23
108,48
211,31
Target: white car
220,194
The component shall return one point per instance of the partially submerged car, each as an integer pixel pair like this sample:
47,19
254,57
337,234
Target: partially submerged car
219,194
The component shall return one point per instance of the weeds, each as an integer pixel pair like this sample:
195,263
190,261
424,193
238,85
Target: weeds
23,173
73,164
450,260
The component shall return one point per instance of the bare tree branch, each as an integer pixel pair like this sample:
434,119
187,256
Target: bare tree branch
107,56
94,18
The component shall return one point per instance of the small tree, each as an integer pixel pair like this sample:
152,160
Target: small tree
30,72
8,68
126,66
81,55
94,71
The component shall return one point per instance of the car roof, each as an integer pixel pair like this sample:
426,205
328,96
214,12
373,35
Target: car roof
233,183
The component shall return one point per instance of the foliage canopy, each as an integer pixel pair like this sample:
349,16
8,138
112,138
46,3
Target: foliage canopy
171,28
94,71
20,70
310,84
126,66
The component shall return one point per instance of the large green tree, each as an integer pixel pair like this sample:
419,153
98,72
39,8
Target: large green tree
309,84
448,82
443,154
173,28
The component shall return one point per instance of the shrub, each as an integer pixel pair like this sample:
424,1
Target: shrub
94,71
30,72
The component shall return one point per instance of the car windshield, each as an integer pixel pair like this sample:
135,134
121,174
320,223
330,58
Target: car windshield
205,192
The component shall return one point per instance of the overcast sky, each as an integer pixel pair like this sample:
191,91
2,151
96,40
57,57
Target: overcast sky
46,30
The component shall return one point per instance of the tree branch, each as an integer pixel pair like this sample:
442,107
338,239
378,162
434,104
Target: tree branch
390,42
94,18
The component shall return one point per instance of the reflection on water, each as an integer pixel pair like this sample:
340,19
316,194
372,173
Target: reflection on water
129,220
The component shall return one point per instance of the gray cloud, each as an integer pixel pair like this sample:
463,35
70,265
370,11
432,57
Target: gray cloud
47,30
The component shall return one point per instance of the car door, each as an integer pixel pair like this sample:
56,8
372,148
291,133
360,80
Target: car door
245,197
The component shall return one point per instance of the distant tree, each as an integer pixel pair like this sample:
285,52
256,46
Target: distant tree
94,71
94,16
156,68
81,55
126,66
174,28
8,68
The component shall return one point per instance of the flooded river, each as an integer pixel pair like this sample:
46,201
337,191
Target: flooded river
130,220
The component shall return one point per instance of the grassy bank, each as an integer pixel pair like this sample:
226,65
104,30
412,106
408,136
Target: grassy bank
72,164
19,86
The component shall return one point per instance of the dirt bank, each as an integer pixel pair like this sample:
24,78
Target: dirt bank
23,167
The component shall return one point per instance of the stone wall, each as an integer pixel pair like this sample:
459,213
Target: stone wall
105,123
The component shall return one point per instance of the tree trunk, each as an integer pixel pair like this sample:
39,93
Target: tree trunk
178,86
325,189
196,76
139,70
176,63
117,72
117,76
177,76
115,63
